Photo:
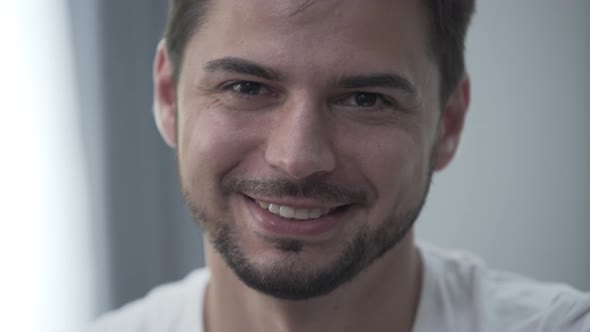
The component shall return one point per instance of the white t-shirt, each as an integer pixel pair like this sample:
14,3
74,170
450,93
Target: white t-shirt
458,294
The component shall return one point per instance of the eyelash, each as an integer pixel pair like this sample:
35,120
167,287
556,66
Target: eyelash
232,86
380,98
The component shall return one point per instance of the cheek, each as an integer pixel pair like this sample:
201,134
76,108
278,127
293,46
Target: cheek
206,146
396,167
212,142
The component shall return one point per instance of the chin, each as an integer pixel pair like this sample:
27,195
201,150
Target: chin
282,270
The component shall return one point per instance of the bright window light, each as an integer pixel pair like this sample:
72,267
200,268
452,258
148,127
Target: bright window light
47,276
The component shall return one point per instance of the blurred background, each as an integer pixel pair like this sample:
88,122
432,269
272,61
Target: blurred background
91,213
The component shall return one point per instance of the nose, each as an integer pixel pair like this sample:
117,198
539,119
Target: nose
300,144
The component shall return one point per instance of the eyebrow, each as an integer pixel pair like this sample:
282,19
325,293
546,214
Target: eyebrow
242,66
394,81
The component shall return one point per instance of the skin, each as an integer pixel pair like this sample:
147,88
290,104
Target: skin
305,124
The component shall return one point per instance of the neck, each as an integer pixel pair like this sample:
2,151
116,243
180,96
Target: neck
384,296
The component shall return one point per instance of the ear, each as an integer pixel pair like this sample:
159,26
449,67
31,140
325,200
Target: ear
451,124
164,95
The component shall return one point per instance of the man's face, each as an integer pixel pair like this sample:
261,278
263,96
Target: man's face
306,135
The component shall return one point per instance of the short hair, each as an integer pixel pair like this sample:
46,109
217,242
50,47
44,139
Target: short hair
450,19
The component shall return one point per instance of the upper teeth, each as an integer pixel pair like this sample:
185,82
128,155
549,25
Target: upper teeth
294,213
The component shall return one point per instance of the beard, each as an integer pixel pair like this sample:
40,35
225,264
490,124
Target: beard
291,278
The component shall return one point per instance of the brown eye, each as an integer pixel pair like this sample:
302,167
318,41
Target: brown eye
365,99
247,88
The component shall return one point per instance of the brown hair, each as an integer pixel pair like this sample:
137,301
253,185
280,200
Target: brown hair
450,19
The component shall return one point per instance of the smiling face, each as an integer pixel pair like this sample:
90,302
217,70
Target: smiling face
306,135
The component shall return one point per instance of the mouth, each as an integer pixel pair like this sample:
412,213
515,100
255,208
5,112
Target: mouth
295,213
299,219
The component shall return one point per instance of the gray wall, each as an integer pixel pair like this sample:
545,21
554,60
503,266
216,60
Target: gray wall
144,235
148,227
517,194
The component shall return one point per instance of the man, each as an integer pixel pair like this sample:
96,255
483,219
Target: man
307,133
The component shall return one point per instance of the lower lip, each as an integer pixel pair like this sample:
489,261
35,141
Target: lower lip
270,224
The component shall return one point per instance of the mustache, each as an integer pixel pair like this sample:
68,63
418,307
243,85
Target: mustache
307,188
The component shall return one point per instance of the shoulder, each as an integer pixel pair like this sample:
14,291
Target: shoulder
468,294
170,307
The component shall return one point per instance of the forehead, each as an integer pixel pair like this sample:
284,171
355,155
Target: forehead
308,11
307,35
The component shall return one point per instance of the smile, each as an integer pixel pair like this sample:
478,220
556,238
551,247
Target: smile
294,213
